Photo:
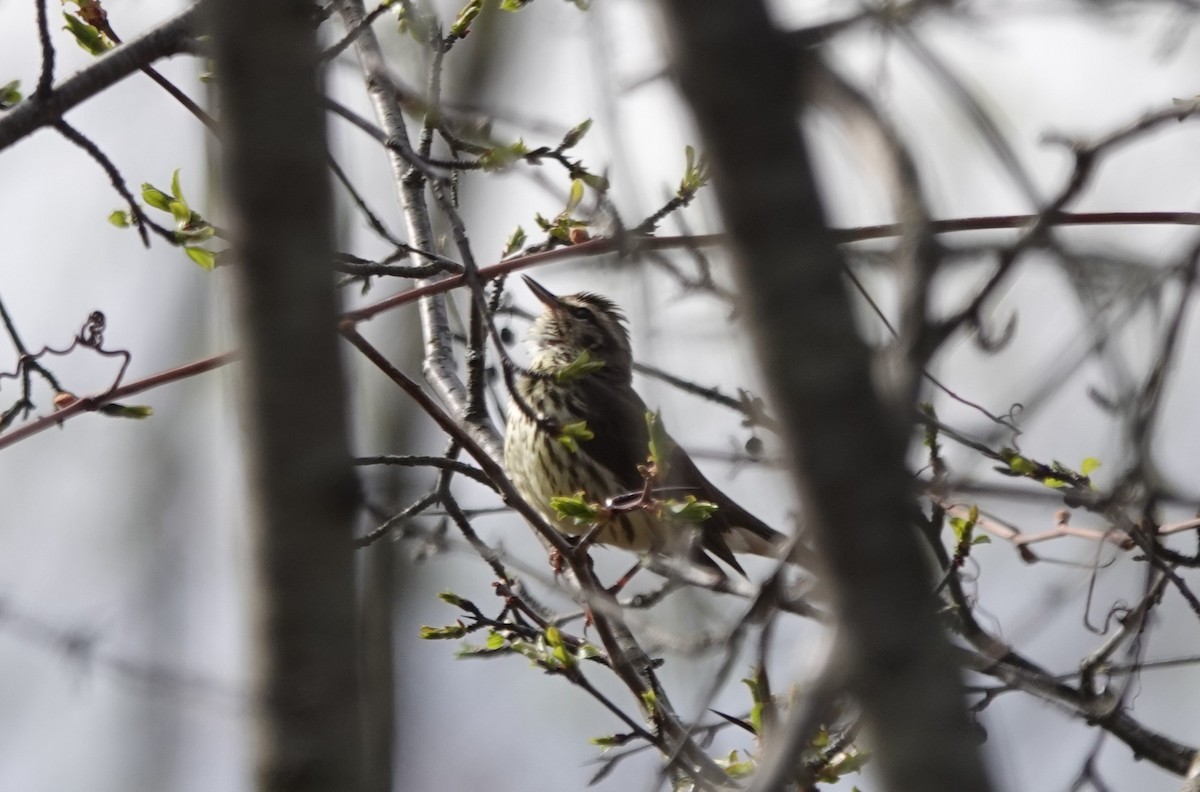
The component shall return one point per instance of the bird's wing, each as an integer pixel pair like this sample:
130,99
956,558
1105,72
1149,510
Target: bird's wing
731,528
621,443
617,420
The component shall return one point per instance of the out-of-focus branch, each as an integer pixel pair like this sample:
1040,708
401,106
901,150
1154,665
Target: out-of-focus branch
849,451
87,650
1101,709
918,255
1149,400
997,659
1088,156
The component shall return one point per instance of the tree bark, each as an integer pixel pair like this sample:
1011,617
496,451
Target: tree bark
300,480
745,85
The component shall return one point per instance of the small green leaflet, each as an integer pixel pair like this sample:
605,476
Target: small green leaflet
661,445
579,367
689,510
575,433
577,508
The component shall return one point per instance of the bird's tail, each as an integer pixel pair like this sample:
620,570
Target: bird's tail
732,529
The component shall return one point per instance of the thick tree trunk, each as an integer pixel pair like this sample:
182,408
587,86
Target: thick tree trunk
301,485
743,81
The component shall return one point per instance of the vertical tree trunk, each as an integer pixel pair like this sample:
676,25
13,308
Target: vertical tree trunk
301,485
743,81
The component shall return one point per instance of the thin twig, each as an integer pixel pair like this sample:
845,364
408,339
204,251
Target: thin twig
46,77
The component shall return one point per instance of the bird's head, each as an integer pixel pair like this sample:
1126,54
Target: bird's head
577,323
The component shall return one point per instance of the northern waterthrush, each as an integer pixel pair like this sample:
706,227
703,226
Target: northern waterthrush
576,426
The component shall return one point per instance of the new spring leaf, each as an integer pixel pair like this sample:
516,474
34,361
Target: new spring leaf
579,367
577,509
575,433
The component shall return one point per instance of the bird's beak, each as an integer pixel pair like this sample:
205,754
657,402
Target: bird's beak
547,297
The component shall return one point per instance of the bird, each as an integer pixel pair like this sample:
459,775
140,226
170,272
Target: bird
575,426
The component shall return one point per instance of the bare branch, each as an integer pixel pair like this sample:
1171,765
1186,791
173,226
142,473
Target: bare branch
170,38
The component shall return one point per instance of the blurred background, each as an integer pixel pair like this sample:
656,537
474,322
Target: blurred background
123,547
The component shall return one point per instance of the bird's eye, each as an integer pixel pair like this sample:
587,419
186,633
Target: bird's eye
579,312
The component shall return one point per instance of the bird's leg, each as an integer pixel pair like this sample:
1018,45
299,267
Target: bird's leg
624,580
580,552
614,590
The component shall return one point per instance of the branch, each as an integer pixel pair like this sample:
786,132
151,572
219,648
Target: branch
442,463
599,247
1168,754
996,659
118,182
170,38
97,400
409,178
46,77
632,246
